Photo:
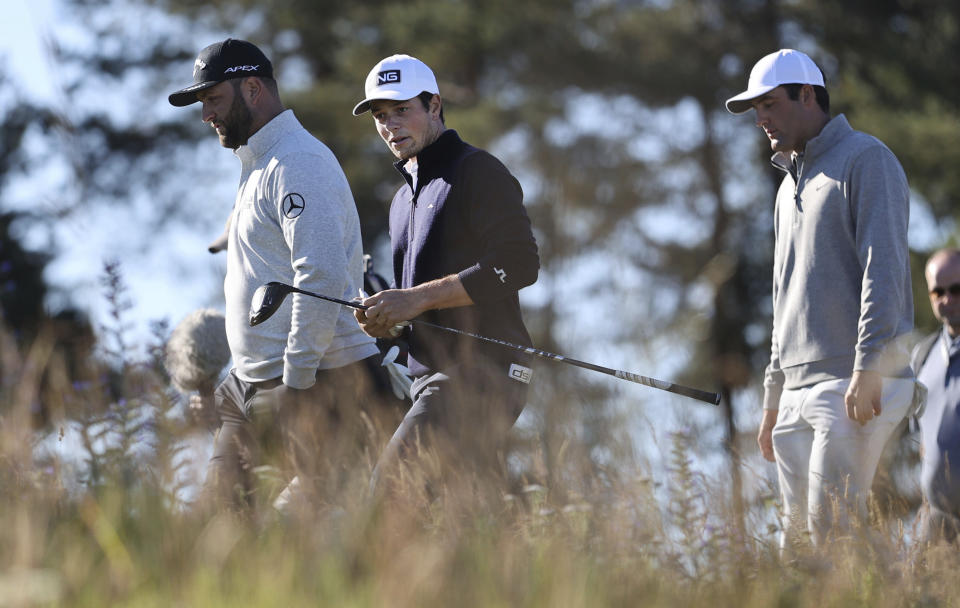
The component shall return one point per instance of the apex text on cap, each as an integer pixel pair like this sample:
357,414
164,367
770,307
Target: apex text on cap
223,61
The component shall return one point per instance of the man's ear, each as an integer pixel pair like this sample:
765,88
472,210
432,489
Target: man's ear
252,89
435,104
807,95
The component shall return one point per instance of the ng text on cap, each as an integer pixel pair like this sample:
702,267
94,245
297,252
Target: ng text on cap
397,78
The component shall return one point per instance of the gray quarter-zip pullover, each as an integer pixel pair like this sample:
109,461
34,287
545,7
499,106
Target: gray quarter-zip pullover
294,221
841,282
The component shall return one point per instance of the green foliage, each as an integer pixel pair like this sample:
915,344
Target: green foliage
22,288
612,113
891,70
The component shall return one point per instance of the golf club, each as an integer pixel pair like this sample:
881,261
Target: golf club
267,299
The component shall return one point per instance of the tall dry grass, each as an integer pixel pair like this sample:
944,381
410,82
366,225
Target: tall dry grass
120,533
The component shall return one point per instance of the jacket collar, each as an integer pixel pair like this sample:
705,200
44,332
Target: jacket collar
267,136
434,155
835,130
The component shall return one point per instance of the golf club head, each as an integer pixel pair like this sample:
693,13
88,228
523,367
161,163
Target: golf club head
266,300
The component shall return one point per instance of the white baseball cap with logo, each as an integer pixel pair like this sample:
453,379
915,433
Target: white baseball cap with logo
785,66
398,78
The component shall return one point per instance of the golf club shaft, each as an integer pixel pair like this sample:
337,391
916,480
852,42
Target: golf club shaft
356,305
671,387
679,389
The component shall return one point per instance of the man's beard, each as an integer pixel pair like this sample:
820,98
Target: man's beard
236,124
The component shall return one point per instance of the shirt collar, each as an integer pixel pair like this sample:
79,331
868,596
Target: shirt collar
837,128
440,150
950,344
267,136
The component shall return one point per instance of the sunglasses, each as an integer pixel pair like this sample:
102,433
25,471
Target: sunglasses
953,290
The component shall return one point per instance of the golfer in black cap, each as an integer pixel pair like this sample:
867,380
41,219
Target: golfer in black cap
298,377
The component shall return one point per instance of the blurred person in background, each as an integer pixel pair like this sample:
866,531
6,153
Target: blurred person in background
936,361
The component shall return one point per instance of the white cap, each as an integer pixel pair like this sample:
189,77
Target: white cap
785,66
399,78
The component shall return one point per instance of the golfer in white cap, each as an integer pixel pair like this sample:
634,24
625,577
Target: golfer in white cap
462,249
838,382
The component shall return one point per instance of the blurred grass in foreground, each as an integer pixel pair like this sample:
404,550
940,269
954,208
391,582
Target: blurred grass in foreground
122,535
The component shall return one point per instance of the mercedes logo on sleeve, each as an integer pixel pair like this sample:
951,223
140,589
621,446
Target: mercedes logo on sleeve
293,205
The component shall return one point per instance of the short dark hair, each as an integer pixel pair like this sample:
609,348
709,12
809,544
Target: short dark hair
819,92
425,98
269,83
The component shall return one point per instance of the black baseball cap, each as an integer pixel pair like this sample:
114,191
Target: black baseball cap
222,61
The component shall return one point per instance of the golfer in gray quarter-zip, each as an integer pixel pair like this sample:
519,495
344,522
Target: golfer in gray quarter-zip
299,379
841,267
839,380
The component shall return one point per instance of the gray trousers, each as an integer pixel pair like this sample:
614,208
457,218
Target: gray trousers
298,433
461,415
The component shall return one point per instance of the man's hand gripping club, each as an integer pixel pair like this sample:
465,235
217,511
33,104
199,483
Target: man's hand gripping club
393,308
